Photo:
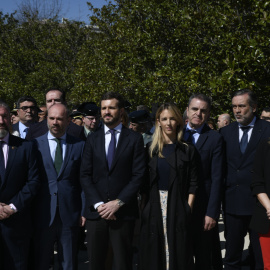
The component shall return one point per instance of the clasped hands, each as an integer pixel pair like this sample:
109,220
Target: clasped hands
108,209
5,211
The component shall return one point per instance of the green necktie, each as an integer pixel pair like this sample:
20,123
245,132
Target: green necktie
58,159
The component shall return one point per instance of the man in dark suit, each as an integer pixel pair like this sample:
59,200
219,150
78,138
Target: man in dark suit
208,198
27,112
58,206
53,96
241,139
19,183
112,170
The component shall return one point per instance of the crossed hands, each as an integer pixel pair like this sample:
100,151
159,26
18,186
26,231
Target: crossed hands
5,211
108,209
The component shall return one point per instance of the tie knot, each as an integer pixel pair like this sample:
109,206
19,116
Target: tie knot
192,131
112,131
58,140
245,129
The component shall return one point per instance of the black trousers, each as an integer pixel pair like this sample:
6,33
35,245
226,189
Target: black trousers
118,233
202,247
236,228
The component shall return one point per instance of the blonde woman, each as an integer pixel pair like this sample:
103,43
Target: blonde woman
170,192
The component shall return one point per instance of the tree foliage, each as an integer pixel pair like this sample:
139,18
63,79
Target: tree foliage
36,55
160,50
149,50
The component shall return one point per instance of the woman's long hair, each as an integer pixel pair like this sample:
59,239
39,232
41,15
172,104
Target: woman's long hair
158,138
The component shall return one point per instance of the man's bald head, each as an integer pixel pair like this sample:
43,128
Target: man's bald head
223,120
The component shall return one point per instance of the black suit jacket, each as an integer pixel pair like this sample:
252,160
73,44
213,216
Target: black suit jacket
261,184
238,199
124,178
210,177
21,183
41,128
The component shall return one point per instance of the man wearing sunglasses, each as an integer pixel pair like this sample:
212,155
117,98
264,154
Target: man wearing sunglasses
27,111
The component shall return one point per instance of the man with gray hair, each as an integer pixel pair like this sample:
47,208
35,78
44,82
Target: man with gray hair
19,183
241,140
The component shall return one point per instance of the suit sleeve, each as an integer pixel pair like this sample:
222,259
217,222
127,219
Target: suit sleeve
217,178
86,174
258,184
138,172
32,181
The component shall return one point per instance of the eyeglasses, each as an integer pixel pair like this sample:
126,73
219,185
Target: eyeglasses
265,118
25,108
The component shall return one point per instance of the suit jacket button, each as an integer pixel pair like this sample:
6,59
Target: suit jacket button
54,194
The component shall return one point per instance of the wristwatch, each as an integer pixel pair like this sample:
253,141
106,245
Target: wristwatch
120,203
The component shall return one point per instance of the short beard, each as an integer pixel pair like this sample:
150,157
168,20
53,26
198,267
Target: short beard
3,133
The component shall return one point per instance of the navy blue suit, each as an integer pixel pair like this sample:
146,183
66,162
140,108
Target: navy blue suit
58,204
238,199
208,197
20,185
122,181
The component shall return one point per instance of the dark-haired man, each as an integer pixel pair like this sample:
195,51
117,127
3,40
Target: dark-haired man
265,115
27,112
241,139
112,171
54,95
206,208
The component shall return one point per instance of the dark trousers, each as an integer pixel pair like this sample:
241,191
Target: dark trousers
67,245
102,232
14,248
236,228
202,247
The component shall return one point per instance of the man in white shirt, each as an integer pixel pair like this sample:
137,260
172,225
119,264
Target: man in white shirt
27,112
241,139
19,183
112,171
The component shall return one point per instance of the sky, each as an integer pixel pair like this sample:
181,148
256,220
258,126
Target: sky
72,9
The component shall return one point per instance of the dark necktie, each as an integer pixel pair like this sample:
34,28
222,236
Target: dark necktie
111,148
2,163
58,159
244,139
190,138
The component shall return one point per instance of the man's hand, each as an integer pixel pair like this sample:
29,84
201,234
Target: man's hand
209,223
82,221
108,209
5,211
268,213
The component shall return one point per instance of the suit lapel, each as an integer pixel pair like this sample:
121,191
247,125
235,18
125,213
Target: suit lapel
69,146
203,137
255,137
13,145
122,143
46,154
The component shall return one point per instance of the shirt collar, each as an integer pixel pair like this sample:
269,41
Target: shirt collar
51,137
22,126
199,130
117,128
251,124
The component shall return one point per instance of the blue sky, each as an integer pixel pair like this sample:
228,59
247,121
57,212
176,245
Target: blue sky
72,9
